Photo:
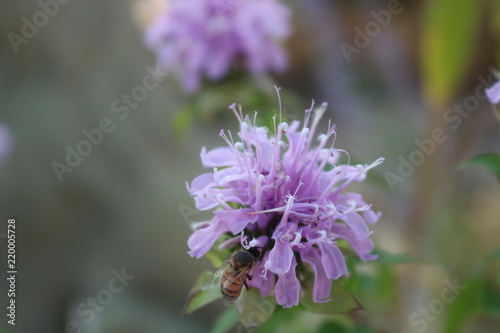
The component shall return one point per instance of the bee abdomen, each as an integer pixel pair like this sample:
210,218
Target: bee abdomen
231,289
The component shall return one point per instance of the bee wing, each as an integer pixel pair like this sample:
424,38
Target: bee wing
213,280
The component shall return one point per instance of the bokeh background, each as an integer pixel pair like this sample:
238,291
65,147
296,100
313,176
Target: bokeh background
125,207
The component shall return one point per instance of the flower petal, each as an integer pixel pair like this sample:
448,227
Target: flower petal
493,93
362,247
212,197
236,220
233,174
322,284
218,157
287,288
371,217
262,278
280,257
203,239
201,182
357,225
333,260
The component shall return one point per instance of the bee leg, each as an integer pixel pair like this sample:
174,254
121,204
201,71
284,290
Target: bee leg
249,278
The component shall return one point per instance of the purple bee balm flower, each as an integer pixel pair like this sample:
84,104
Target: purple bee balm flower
493,93
286,193
199,38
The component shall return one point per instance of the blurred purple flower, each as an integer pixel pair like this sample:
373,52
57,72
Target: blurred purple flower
5,143
288,194
493,93
199,38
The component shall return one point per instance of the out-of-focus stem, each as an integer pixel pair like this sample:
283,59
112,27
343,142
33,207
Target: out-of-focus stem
427,182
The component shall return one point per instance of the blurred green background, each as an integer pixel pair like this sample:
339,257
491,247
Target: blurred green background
125,207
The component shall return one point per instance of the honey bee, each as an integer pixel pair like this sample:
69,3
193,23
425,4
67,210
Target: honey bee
234,274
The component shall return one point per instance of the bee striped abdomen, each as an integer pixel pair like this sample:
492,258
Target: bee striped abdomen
231,285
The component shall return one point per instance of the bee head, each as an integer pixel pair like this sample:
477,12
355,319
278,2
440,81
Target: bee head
255,251
245,258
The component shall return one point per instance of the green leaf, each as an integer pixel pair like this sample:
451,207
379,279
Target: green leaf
341,300
332,326
448,42
281,316
466,304
490,161
217,256
483,264
198,298
386,280
491,298
253,309
226,321
352,283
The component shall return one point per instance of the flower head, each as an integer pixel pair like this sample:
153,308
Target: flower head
205,37
285,194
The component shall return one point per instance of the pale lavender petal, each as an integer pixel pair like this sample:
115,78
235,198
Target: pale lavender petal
493,93
5,143
227,175
287,288
201,183
212,197
333,261
280,258
218,157
203,239
264,149
371,217
236,220
362,247
205,199
262,278
357,225
322,284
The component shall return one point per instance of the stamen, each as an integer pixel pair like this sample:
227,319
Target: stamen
229,140
218,198
279,101
238,116
273,210
365,169
318,113
307,115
